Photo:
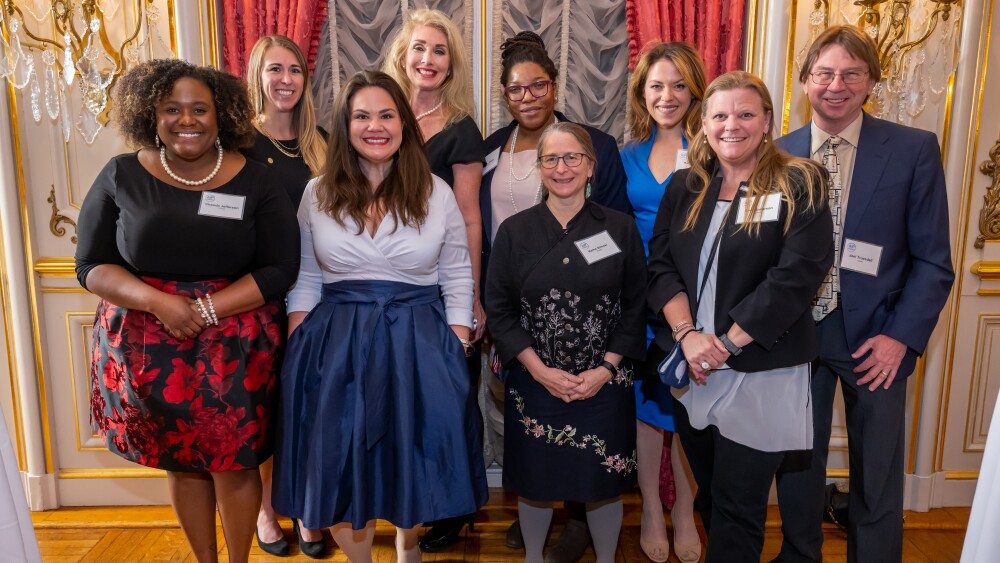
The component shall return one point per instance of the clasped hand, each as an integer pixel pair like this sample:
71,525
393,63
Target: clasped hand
179,315
699,347
568,387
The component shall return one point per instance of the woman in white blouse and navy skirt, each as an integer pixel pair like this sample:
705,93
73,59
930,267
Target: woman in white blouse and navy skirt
378,421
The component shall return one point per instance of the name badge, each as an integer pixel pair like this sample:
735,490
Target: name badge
682,160
859,256
491,161
224,206
597,247
767,210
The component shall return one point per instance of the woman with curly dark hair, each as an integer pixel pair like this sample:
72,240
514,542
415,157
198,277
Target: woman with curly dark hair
187,332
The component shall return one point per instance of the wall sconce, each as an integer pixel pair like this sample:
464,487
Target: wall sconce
79,45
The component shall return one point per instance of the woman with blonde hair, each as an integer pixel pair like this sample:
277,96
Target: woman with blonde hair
665,94
293,147
288,138
741,243
428,60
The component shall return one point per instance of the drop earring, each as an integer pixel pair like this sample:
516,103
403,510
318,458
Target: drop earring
587,193
156,138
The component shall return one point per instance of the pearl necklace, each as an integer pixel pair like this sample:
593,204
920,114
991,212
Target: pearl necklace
510,171
430,111
205,180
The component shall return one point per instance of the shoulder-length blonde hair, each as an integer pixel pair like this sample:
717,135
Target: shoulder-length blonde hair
773,171
456,92
344,190
688,63
311,143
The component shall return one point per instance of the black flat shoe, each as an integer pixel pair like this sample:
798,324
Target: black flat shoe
279,548
313,549
445,533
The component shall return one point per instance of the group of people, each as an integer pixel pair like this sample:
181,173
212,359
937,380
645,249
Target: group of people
319,296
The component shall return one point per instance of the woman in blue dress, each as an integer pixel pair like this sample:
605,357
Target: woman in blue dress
665,95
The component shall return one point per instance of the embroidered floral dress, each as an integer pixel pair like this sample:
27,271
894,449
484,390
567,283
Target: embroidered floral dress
542,293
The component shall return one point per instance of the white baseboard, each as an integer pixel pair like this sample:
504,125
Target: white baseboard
40,491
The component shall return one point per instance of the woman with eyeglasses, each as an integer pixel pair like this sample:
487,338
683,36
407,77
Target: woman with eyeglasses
512,183
565,299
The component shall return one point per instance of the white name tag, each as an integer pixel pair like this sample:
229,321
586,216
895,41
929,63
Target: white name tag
224,206
682,160
491,161
859,256
597,247
767,210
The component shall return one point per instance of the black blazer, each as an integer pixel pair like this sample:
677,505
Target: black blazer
765,282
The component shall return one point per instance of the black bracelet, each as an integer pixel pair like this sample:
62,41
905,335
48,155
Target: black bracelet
609,366
683,336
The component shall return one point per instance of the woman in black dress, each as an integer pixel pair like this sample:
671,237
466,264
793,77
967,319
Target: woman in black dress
293,148
190,249
565,295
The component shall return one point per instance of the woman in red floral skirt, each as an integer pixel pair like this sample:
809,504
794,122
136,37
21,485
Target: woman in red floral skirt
187,333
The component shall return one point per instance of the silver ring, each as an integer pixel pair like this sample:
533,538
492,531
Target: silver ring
705,365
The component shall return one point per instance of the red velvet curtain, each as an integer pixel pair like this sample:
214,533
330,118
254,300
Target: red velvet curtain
246,21
714,27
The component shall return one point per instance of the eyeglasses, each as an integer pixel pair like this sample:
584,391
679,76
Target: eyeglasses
572,159
516,92
826,77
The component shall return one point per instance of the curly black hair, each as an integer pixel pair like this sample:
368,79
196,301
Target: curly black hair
525,47
144,86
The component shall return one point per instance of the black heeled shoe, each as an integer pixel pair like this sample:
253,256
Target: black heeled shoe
279,547
445,533
313,549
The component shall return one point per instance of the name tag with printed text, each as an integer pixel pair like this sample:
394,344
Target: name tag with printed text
860,256
492,160
767,210
224,206
597,247
682,160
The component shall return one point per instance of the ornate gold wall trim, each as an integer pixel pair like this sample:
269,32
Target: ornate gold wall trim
113,473
987,270
213,37
57,218
753,56
964,216
22,194
989,215
56,267
838,473
961,475
484,74
786,106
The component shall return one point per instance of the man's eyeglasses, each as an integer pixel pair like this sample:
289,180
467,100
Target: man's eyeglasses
825,77
515,93
572,159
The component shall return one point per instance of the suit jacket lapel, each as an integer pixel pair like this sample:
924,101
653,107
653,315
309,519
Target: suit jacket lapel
869,163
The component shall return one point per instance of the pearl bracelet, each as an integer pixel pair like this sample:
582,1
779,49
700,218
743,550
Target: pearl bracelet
211,310
204,312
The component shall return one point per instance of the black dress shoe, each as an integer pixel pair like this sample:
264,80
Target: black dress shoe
445,533
572,542
313,549
514,540
279,547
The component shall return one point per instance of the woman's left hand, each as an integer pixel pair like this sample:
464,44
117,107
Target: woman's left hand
479,320
592,381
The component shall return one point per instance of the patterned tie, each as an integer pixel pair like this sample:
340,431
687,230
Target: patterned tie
826,298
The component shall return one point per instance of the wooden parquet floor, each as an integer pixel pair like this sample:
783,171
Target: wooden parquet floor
151,534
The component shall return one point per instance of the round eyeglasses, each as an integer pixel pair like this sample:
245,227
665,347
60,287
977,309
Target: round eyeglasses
515,92
572,159
826,77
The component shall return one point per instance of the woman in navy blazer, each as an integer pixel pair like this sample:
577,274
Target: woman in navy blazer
740,245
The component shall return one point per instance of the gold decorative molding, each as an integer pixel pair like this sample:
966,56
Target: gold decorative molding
56,267
838,473
961,475
989,215
57,218
890,48
113,473
987,270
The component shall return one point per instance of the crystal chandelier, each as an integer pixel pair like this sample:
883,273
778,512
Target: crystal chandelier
917,46
75,45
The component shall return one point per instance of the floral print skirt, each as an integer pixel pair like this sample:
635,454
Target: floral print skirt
202,404
581,451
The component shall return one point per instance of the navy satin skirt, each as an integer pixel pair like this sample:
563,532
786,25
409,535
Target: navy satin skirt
377,416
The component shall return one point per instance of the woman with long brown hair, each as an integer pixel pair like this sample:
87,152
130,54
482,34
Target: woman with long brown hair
378,418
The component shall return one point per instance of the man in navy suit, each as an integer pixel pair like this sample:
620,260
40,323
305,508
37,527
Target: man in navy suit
880,303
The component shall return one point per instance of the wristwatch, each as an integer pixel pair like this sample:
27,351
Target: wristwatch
733,349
